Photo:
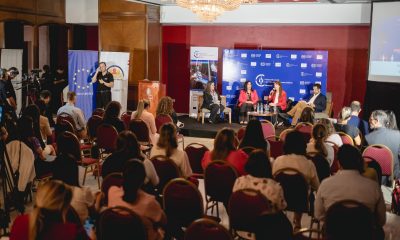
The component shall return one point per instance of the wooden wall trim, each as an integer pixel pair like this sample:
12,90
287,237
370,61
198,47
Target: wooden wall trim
29,11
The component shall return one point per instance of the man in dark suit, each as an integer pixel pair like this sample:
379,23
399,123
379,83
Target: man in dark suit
317,102
388,137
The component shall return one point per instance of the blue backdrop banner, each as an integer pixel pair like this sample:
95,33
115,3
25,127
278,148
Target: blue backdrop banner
81,67
297,70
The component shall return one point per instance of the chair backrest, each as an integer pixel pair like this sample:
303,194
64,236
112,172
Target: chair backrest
195,152
349,219
308,234
305,129
295,188
245,207
182,202
126,118
66,117
275,226
248,149
223,100
283,134
372,163
106,137
383,155
120,223
140,129
62,126
275,148
321,165
98,112
268,129
162,119
166,170
112,179
92,124
219,178
204,228
240,133
346,139
73,216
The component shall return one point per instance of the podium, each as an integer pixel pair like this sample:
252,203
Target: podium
152,91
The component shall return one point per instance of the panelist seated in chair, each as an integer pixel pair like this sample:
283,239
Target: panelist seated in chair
317,102
248,99
212,102
277,97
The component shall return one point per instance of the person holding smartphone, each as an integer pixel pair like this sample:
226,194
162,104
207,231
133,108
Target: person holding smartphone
277,97
106,82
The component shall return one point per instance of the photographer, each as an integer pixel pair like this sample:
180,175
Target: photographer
59,83
46,78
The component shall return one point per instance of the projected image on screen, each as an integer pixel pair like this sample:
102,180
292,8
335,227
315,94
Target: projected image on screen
384,61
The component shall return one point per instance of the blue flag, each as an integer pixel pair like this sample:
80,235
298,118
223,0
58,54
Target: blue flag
81,68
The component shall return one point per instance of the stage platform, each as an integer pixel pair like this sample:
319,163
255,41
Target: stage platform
193,128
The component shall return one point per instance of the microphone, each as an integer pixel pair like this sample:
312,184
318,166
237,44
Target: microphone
272,91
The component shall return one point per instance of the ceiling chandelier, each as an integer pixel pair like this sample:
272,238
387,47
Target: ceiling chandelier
209,10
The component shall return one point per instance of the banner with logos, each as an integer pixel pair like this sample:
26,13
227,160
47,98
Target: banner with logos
118,65
297,70
203,68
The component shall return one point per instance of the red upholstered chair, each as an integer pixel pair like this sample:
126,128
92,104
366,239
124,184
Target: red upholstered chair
161,119
140,129
275,148
240,133
245,207
372,163
308,234
382,155
106,138
335,163
321,165
64,125
120,223
112,179
204,228
268,129
166,170
219,178
248,150
283,134
126,118
346,139
92,124
98,112
305,129
195,152
67,117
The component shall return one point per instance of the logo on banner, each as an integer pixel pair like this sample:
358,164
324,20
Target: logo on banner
291,65
306,56
116,71
320,57
304,74
261,81
293,56
80,79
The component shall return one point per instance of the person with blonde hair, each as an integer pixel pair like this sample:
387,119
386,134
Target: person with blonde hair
342,126
48,219
142,112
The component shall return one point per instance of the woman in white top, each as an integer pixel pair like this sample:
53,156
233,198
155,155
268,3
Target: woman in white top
333,138
167,145
143,114
317,144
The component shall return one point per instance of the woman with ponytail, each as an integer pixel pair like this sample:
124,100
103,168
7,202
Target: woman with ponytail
48,220
131,196
317,143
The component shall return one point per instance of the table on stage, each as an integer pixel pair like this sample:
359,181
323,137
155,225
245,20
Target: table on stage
272,115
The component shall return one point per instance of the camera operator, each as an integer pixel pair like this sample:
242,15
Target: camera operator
11,97
46,78
59,83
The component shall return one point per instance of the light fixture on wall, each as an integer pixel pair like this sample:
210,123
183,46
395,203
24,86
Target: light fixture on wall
209,10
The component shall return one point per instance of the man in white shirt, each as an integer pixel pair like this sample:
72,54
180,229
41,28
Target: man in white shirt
76,114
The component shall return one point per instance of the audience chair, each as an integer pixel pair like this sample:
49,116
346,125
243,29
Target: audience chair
205,228
140,129
248,150
195,152
166,170
92,124
98,112
305,129
275,148
202,111
63,125
346,139
112,179
335,164
383,155
126,118
244,208
372,163
106,138
219,178
268,129
308,234
274,226
283,134
66,117
121,223
162,119
321,165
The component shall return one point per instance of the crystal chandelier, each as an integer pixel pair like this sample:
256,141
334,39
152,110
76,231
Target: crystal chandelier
209,10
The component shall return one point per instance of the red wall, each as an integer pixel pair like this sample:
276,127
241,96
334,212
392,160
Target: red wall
347,48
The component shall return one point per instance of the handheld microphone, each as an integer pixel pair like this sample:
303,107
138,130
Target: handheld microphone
272,91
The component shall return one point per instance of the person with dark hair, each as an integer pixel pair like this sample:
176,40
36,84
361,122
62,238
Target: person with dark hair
317,144
307,116
277,97
128,148
4,95
167,145
317,102
12,73
295,158
131,196
59,83
45,130
254,137
111,116
106,82
75,113
225,150
355,121
260,178
349,184
46,78
45,96
212,101
248,99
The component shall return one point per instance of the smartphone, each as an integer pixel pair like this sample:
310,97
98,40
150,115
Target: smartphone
89,226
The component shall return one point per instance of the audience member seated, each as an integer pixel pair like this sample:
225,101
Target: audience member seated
317,144
259,178
349,184
382,135
166,106
167,145
45,130
391,122
355,121
277,97
254,137
333,138
48,217
45,96
212,101
111,116
76,114
143,114
225,150
295,157
65,168
43,164
32,111
128,148
317,102
248,98
131,196
351,130
307,116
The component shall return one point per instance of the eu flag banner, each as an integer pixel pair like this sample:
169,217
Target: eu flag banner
81,68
